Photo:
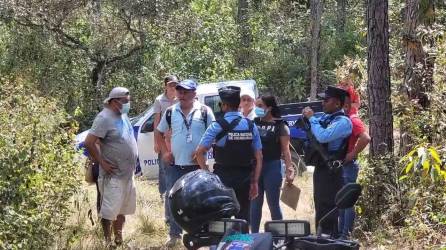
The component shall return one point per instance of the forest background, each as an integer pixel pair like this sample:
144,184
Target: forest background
59,59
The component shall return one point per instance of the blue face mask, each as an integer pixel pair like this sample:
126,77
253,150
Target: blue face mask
260,112
125,108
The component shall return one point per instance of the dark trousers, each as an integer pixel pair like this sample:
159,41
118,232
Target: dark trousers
326,184
239,179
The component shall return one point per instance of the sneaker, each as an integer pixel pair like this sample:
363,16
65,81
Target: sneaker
172,241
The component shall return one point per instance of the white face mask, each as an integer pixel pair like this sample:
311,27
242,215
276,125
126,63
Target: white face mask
125,108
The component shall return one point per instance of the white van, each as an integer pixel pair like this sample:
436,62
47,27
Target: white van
143,125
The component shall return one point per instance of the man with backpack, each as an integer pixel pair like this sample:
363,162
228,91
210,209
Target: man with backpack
237,150
188,120
326,150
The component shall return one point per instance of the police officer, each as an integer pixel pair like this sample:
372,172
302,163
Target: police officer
331,131
237,152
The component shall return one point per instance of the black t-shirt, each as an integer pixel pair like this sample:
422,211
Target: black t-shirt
270,133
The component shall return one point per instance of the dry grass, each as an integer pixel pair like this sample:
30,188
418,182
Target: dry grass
146,228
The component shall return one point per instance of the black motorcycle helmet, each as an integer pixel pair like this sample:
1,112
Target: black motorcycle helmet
199,197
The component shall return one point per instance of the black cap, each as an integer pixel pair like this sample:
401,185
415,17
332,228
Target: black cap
334,92
229,94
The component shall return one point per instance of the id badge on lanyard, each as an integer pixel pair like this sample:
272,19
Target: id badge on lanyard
189,137
188,126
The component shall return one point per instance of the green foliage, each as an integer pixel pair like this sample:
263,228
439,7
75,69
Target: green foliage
198,39
425,161
38,169
381,200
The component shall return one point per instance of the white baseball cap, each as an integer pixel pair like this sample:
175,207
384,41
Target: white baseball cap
247,92
117,92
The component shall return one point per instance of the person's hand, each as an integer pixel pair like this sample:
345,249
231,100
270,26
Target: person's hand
253,190
168,157
349,157
307,112
194,155
107,167
156,148
289,175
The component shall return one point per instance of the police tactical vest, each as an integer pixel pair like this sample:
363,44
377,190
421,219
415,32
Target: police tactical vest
237,150
270,137
313,157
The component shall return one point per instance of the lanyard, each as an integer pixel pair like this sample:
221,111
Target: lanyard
188,124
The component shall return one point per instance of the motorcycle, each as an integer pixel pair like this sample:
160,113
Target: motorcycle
278,235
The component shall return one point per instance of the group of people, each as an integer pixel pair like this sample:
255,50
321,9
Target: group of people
249,142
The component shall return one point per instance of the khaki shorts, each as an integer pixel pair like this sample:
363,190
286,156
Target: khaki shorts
117,197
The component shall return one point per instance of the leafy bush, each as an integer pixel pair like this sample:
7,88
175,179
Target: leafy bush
38,171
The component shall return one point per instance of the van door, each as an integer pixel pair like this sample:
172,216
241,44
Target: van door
148,159
213,101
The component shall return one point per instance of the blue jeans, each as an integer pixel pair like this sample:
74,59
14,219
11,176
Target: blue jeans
162,175
162,184
347,216
270,182
173,173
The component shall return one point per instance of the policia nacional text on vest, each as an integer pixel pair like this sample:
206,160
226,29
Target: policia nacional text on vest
234,160
237,151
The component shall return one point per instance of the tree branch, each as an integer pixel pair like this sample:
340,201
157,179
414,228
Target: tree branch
126,55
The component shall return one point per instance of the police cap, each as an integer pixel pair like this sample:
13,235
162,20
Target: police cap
229,94
335,93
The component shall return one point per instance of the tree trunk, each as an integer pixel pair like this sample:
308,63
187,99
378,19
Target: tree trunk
414,55
412,47
316,7
380,106
429,58
97,81
341,9
243,55
419,65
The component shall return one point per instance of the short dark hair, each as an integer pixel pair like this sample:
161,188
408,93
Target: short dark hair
170,78
271,101
232,105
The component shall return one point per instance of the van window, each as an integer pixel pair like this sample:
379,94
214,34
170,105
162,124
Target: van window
148,125
214,103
